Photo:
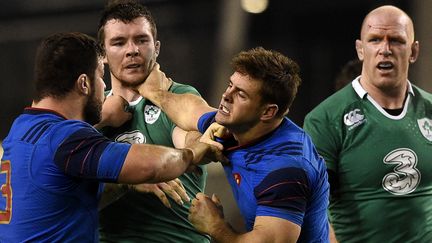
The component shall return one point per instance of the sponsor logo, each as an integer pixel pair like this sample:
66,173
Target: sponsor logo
354,118
151,113
425,126
237,178
132,137
405,176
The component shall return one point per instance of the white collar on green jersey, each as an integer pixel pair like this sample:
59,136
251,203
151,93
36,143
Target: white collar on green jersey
132,103
362,92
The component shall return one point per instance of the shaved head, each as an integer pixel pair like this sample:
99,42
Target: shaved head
386,17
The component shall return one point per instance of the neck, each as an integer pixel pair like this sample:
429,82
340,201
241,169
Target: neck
128,93
259,130
71,107
389,97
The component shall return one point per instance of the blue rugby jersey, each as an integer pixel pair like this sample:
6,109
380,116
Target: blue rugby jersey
53,169
279,175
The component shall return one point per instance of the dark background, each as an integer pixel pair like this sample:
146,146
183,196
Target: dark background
199,37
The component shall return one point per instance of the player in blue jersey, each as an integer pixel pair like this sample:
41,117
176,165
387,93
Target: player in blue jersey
54,161
278,180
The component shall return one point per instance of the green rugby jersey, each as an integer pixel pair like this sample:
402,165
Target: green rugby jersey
141,217
383,165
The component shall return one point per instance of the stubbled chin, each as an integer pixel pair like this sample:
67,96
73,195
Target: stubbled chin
132,83
221,118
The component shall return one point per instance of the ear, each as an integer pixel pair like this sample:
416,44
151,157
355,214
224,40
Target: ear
157,48
83,84
105,59
269,112
359,49
415,50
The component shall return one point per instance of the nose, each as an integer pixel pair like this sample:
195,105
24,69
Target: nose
132,50
227,96
385,49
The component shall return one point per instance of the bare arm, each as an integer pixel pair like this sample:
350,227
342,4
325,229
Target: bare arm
183,109
207,217
174,188
153,163
266,229
146,163
114,112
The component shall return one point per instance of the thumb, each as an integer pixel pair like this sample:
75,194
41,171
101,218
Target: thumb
216,200
156,66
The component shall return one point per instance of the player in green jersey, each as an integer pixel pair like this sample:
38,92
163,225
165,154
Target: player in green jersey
127,32
376,138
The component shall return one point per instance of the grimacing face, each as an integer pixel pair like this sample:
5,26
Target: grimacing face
240,107
131,50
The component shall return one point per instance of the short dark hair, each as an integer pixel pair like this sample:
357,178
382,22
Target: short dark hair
125,11
60,59
279,75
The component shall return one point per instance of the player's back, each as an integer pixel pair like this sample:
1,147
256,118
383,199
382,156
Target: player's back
40,202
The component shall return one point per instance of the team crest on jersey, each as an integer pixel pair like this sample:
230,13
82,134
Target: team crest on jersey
425,126
237,178
151,113
354,118
132,137
405,177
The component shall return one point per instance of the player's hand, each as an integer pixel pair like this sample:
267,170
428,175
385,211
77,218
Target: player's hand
214,131
204,153
114,112
206,214
156,81
173,189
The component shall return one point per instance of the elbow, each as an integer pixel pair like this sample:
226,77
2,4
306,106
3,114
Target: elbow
171,166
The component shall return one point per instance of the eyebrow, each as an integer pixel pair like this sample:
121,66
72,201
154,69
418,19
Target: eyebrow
119,38
238,88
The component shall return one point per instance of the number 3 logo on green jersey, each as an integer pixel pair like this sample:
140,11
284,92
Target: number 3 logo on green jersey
405,177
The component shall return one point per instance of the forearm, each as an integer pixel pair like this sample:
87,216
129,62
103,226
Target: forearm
183,109
228,235
225,233
266,230
151,164
174,165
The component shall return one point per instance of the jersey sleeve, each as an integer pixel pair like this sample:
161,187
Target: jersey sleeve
205,121
88,154
324,136
283,193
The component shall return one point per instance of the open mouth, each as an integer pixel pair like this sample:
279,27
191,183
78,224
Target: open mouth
385,65
133,66
224,110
